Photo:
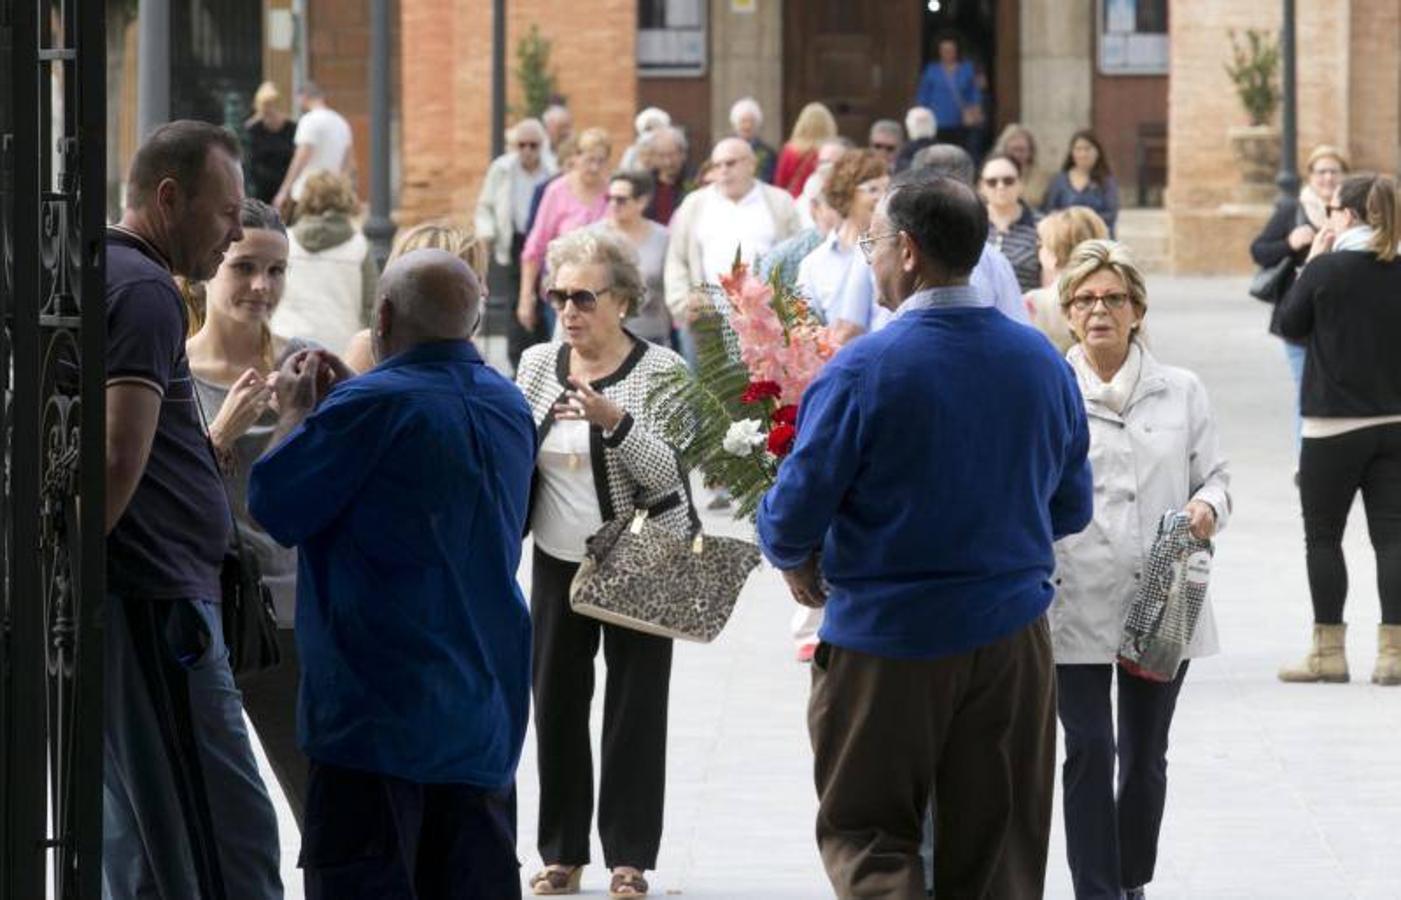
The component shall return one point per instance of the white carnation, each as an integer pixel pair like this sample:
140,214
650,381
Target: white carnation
743,436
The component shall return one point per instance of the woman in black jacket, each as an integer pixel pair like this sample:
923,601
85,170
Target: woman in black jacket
1346,304
1290,232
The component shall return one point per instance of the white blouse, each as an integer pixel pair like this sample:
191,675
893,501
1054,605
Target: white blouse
566,506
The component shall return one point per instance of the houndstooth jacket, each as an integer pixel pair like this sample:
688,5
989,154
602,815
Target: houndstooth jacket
632,465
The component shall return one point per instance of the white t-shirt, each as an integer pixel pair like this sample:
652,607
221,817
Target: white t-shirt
725,224
566,507
328,134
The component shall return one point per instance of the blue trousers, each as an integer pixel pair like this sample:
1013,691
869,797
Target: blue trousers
1111,836
177,762
375,837
1297,355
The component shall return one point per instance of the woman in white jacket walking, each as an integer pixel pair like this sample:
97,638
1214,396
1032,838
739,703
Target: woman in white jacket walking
1153,449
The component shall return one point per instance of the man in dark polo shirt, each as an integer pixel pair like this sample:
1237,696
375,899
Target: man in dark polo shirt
177,755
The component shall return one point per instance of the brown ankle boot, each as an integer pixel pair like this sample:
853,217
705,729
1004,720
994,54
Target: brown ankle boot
1326,660
1388,668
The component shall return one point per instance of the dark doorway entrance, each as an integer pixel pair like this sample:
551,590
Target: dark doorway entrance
860,59
989,34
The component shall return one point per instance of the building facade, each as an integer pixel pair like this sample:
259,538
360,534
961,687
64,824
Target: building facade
1147,75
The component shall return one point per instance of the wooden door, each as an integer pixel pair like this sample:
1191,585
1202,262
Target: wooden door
861,59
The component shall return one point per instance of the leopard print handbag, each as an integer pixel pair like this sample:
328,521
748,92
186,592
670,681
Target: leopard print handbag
638,575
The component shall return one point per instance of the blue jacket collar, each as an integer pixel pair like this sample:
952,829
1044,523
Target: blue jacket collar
435,351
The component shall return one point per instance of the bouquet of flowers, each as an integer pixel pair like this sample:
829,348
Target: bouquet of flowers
758,347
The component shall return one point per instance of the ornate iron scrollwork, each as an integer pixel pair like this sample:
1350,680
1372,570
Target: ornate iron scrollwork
52,190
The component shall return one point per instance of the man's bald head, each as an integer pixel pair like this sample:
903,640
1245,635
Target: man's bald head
425,296
732,148
734,166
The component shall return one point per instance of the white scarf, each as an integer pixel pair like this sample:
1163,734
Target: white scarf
1358,237
1114,393
1315,210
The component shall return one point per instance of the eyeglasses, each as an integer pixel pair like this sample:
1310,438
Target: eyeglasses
618,199
1002,181
1328,171
868,243
872,188
1087,302
528,145
1330,209
584,300
885,148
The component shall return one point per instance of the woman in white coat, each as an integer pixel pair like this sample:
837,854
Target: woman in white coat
1153,449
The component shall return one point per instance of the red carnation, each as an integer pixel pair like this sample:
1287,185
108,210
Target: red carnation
781,440
758,391
786,415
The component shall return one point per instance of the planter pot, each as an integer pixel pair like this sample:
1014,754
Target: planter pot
1256,149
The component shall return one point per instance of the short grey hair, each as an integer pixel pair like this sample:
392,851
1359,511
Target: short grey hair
921,123
649,140
746,106
530,124
596,247
651,119
949,160
888,126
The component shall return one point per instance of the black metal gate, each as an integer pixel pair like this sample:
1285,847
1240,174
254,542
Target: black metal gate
52,171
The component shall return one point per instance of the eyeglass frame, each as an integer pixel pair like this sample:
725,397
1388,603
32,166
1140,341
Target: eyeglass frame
865,244
1113,301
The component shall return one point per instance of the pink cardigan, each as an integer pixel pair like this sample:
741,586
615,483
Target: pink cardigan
560,212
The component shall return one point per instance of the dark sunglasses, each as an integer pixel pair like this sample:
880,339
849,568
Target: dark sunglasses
584,300
1002,181
888,148
1330,209
618,199
528,145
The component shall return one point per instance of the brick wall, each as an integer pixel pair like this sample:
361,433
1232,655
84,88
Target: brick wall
338,36
1347,60
445,105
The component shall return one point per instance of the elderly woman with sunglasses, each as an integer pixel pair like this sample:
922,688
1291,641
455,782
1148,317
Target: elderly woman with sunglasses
1153,449
601,456
1011,223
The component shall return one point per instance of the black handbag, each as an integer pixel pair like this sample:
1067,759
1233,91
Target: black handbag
1269,282
246,610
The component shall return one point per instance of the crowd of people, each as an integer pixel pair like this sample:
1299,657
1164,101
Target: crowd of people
270,391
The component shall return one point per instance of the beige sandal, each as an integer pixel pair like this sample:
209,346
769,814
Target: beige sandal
552,881
627,885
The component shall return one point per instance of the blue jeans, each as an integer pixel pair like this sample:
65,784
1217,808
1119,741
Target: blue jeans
185,813
1296,354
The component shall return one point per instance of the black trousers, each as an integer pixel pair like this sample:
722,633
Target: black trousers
380,838
505,282
976,731
632,780
1111,837
1331,472
270,699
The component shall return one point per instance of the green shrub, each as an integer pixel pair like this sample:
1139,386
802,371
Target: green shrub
1253,70
533,71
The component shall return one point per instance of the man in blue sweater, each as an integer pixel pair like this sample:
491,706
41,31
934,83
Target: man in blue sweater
936,462
405,490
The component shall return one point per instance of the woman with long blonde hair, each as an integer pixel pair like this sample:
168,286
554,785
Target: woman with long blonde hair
459,240
798,159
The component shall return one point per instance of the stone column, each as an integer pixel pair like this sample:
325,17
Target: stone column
1057,38
746,59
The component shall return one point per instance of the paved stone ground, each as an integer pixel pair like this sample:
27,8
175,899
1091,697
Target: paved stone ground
1276,791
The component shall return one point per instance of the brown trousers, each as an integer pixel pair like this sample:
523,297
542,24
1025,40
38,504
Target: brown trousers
976,731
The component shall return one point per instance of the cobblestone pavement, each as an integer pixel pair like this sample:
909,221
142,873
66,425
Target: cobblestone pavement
1276,791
